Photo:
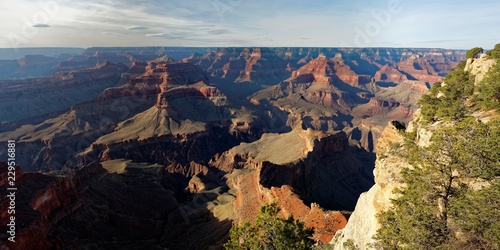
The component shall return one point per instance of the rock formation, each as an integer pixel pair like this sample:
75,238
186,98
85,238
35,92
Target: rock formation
390,74
363,223
479,67
270,168
215,134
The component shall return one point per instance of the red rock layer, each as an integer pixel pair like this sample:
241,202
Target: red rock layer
420,69
391,74
329,70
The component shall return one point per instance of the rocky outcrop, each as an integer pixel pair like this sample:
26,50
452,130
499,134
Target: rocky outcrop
298,159
363,223
479,67
328,70
200,91
262,66
270,168
390,74
383,103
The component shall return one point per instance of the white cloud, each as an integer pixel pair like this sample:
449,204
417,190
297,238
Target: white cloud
274,23
137,28
40,25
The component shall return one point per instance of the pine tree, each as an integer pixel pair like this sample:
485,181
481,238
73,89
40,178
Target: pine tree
437,201
271,233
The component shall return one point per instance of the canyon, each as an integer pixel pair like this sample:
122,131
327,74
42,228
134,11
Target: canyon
158,144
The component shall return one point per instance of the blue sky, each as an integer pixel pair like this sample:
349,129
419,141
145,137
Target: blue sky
208,23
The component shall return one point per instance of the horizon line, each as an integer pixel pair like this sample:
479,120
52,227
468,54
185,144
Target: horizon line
170,46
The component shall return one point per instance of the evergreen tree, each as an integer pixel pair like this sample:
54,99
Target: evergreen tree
271,233
474,52
489,89
495,52
438,202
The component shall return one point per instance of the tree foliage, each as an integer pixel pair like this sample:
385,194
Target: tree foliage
438,202
479,212
495,52
448,99
489,89
271,232
474,52
457,96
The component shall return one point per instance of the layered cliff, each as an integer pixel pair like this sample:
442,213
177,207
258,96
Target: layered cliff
256,65
325,94
363,222
304,171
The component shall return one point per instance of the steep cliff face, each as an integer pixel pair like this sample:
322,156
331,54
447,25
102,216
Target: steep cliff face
328,70
391,74
317,166
363,223
262,66
420,69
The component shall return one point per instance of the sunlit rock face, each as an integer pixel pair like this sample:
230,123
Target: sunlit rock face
363,223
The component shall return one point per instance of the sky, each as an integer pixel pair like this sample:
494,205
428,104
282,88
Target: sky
447,24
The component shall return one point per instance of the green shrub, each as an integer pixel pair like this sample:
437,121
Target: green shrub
495,52
488,94
458,86
438,202
271,232
472,53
